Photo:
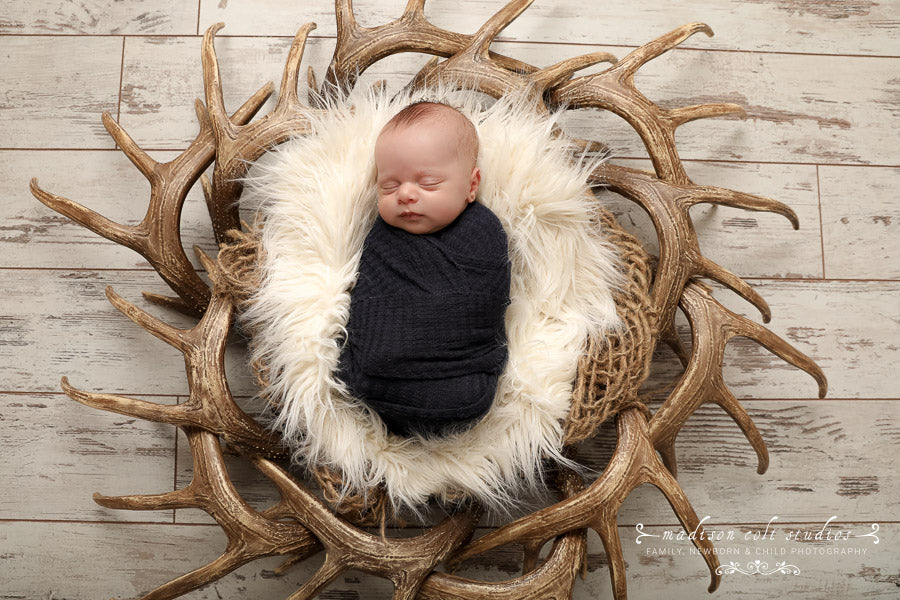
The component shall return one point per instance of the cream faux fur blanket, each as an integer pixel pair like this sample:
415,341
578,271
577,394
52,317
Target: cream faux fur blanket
316,197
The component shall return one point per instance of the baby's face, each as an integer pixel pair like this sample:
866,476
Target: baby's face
424,178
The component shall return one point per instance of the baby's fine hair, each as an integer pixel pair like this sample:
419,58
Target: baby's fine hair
423,110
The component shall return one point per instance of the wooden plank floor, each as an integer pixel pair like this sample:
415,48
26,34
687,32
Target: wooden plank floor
821,85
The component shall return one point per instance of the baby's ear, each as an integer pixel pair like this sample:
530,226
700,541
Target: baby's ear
473,184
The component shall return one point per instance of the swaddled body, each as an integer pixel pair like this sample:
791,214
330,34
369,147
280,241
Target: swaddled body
426,341
425,338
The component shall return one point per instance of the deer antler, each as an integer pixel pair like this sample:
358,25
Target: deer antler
251,535
360,47
712,326
158,236
473,66
210,404
237,146
680,258
555,578
633,463
614,90
406,562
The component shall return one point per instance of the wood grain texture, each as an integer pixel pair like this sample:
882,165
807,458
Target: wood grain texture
55,89
97,17
52,446
819,82
57,322
764,25
33,236
861,222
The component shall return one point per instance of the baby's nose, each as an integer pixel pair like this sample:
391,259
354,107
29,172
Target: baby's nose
407,194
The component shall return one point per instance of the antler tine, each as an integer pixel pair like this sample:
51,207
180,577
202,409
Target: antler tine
210,404
287,93
359,47
138,157
124,235
555,578
712,326
157,236
250,534
406,562
237,145
725,197
212,86
633,463
614,90
171,335
641,56
555,75
680,258
484,37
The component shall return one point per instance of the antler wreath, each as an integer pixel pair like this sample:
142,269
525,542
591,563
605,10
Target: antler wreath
300,525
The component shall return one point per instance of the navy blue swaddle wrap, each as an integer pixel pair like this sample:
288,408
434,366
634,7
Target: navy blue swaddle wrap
426,341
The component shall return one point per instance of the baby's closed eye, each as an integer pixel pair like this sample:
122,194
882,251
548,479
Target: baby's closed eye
430,182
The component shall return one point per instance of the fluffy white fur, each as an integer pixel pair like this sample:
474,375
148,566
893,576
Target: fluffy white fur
316,195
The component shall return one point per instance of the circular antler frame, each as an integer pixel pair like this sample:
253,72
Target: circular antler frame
300,525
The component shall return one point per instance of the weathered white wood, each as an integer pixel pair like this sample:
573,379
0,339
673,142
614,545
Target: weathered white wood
57,453
57,323
861,222
98,17
55,89
801,108
770,25
750,244
826,457
32,235
162,77
848,328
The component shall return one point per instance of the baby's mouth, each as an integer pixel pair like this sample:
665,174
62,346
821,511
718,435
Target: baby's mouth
408,214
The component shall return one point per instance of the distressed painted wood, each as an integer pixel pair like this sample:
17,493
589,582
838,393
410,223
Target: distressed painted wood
849,328
57,453
861,222
750,244
32,235
833,111
55,89
57,322
98,17
162,77
765,25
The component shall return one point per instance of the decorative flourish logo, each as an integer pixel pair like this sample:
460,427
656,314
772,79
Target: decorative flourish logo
757,567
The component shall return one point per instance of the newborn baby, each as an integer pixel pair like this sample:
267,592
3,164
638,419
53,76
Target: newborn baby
425,340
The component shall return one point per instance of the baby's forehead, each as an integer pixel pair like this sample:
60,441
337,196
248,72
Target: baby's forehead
446,124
